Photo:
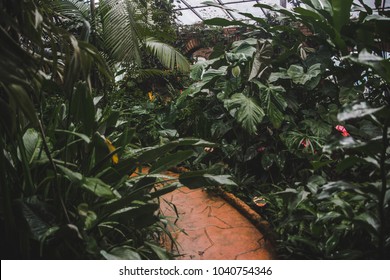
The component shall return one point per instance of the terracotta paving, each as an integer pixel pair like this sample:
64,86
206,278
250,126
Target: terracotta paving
208,228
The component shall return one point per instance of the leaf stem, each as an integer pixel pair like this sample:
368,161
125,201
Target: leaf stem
53,165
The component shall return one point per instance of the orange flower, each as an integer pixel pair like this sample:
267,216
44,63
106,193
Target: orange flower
151,96
111,148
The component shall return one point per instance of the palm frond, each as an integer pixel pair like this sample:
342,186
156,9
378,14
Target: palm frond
120,32
72,9
167,55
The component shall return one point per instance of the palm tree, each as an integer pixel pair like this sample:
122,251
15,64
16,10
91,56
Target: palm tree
121,29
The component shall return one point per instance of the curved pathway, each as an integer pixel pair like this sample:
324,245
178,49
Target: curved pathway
208,228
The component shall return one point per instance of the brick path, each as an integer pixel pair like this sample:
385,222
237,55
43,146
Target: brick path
208,228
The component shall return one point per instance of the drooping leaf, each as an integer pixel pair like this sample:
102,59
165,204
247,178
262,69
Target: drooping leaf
170,160
357,110
92,184
199,179
79,135
18,94
160,252
168,55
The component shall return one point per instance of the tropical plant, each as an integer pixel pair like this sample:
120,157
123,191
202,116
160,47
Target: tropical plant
276,103
66,157
123,30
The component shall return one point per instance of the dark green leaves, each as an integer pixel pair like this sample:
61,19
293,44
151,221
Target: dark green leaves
245,110
92,184
170,160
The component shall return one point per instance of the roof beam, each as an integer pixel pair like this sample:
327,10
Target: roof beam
192,9
226,11
204,6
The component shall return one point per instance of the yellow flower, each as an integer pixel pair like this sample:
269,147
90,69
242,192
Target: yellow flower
151,96
111,148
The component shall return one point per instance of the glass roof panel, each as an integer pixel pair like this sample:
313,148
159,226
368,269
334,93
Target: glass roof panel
194,11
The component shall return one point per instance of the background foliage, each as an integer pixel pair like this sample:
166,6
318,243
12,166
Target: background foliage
302,122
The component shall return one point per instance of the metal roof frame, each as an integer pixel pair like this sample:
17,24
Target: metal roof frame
222,3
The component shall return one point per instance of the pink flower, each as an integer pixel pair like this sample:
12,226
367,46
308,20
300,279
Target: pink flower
342,129
261,149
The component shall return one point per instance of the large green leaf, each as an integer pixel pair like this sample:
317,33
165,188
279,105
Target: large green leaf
341,13
245,110
83,108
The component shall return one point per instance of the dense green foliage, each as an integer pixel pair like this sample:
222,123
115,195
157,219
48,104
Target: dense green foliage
67,149
301,119
297,112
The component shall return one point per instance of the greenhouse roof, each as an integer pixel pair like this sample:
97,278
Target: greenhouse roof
195,11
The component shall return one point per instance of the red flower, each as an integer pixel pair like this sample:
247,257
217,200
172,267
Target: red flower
305,142
342,129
